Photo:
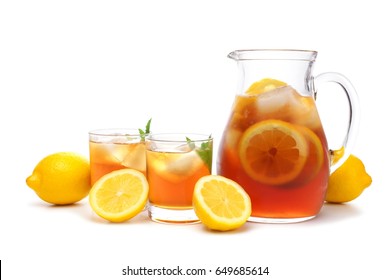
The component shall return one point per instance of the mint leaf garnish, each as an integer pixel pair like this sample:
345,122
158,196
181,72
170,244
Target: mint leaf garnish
143,133
205,151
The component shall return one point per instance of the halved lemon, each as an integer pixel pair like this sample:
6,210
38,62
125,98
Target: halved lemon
264,85
348,181
220,203
120,195
273,152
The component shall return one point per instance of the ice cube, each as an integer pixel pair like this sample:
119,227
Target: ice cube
185,164
135,157
174,167
305,113
285,103
105,153
118,152
232,137
275,102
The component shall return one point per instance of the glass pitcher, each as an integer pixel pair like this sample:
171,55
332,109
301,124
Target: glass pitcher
274,143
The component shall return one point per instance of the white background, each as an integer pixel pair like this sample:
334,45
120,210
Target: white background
67,67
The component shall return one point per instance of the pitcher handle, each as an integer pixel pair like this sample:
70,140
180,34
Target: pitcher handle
354,115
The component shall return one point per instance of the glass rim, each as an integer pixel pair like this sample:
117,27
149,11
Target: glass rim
102,132
179,137
273,54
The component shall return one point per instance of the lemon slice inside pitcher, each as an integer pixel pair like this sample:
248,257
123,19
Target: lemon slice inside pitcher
264,85
273,152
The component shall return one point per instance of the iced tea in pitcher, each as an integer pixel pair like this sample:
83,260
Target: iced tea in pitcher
274,143
275,147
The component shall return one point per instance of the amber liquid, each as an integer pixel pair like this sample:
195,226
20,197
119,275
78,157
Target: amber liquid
301,197
108,157
172,177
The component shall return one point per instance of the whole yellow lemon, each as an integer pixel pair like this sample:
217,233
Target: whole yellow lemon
61,178
348,181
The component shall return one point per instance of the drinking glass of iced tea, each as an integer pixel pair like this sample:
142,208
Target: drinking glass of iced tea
113,149
175,162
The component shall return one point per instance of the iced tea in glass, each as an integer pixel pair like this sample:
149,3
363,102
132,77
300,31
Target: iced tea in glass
113,149
175,162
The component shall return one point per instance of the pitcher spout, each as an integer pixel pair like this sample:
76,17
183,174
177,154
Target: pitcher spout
234,55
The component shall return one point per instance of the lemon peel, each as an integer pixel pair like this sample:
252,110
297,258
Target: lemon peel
61,178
